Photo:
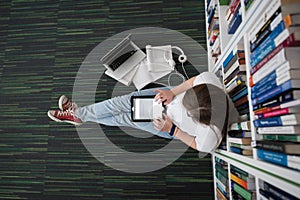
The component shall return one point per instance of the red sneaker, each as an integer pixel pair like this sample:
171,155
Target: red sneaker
64,116
65,103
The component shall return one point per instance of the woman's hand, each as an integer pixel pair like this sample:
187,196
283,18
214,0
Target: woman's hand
165,96
164,125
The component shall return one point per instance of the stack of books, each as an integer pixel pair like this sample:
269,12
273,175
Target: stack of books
286,154
275,80
221,168
213,29
268,191
239,138
242,184
233,16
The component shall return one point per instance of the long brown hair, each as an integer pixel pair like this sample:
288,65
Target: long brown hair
206,103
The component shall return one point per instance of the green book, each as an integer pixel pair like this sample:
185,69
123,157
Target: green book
224,172
224,2
292,138
241,146
241,191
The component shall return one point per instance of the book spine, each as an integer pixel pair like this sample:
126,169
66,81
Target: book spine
268,44
242,182
224,172
221,178
291,119
274,113
234,84
273,157
235,170
236,150
232,60
283,137
239,95
275,91
234,67
235,23
241,101
277,130
220,195
244,193
278,147
221,189
284,100
239,134
241,126
227,60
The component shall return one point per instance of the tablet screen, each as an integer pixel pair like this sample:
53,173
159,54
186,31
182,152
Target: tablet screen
144,108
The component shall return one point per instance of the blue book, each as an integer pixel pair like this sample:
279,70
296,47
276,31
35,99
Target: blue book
266,46
277,158
221,189
228,59
241,94
211,14
235,23
262,83
290,84
291,119
236,150
273,157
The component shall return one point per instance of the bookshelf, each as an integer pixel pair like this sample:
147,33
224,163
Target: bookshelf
238,21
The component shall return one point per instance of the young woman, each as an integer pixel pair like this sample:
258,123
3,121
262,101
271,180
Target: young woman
198,112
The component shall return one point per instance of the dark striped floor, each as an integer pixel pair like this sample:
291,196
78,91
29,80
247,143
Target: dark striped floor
42,44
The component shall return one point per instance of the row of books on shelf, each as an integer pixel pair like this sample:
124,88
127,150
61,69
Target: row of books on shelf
269,191
235,82
233,16
221,173
242,183
213,31
275,83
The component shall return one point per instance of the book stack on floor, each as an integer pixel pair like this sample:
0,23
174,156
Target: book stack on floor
213,29
275,82
269,191
242,184
233,16
222,188
239,138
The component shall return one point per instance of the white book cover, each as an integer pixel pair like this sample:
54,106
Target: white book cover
279,130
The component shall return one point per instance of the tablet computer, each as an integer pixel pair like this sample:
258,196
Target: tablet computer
145,109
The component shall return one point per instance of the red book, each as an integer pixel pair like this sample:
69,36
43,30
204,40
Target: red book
282,111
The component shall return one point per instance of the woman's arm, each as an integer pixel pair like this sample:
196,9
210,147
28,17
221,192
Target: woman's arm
185,138
167,96
183,86
166,126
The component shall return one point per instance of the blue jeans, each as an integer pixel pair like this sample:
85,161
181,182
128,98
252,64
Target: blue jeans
117,112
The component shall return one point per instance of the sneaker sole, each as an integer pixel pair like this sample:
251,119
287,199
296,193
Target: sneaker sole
60,102
58,120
